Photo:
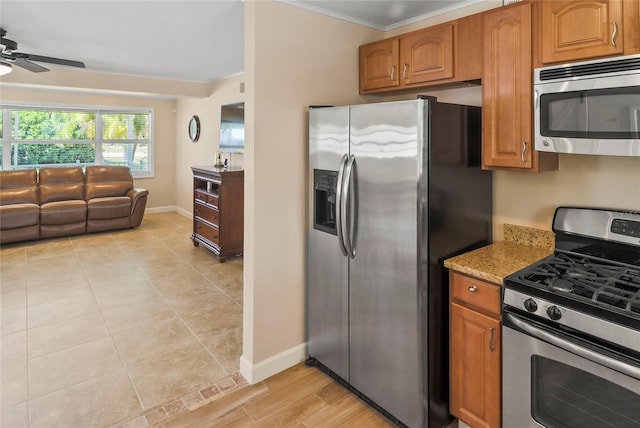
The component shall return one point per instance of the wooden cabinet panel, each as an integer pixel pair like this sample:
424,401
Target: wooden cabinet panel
581,29
447,53
207,213
476,293
207,197
507,93
379,65
427,55
211,234
468,50
218,210
631,19
475,367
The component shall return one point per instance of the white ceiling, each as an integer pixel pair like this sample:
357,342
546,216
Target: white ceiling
198,41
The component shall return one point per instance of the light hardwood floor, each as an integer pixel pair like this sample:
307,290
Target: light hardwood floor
298,397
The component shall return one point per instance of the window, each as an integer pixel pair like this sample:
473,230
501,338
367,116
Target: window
45,136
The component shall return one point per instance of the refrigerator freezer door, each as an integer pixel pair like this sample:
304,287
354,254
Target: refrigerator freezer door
327,275
386,140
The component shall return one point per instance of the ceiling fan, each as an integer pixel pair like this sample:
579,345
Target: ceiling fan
9,56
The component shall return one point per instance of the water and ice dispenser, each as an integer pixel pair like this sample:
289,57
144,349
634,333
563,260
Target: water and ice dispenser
324,200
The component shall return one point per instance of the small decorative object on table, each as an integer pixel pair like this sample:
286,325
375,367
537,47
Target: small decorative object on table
219,162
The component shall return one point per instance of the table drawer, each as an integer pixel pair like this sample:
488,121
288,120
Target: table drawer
207,198
207,213
209,233
477,293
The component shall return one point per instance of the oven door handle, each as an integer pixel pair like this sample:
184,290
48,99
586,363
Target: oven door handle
574,348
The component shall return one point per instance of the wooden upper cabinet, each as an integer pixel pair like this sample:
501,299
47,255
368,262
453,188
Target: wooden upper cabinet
581,29
507,88
446,53
631,19
379,65
468,48
427,55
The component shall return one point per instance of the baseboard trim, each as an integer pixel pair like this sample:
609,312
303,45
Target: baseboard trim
258,372
184,213
157,210
169,209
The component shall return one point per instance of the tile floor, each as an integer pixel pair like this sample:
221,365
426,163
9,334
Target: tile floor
121,328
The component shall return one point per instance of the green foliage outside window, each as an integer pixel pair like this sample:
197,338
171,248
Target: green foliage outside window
56,137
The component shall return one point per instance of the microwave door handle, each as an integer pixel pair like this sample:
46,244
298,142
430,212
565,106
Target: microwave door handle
568,346
339,204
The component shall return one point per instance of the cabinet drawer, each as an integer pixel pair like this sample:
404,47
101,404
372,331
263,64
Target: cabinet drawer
208,232
207,213
207,198
476,293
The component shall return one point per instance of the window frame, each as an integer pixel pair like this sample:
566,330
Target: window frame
7,140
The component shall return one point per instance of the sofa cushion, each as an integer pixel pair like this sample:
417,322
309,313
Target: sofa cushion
67,229
20,234
19,215
106,181
61,184
63,212
18,187
108,208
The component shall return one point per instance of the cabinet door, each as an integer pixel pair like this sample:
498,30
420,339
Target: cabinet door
379,65
581,29
507,92
631,12
427,55
475,367
468,48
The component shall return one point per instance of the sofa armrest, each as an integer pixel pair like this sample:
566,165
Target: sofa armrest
138,204
136,194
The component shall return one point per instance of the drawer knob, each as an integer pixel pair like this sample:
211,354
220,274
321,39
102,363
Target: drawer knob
472,289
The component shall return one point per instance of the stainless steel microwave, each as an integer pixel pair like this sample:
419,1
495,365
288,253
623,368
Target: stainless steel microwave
590,107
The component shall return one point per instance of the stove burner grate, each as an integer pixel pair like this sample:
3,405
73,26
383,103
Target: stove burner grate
602,282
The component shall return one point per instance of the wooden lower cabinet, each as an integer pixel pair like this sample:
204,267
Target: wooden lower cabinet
475,354
218,210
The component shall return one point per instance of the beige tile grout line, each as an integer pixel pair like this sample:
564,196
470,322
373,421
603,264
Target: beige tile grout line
219,389
205,400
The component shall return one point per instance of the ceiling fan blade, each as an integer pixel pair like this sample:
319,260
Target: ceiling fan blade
50,60
25,63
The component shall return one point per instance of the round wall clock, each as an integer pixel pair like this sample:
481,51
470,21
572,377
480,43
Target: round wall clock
194,128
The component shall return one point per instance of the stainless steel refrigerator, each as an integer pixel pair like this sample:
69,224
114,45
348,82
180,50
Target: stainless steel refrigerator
395,188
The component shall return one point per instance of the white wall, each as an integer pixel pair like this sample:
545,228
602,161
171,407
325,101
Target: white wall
581,180
293,58
202,152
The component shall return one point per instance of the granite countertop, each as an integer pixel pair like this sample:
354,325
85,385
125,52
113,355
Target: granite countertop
522,246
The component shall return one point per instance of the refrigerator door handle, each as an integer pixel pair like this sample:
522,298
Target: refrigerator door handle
350,209
339,205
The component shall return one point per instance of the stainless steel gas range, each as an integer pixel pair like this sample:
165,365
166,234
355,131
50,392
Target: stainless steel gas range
571,327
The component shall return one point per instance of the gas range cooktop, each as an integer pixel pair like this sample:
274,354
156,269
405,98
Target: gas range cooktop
594,270
593,281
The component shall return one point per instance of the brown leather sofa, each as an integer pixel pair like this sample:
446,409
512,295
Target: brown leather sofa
67,201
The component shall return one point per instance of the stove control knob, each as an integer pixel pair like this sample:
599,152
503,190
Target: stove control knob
530,305
554,313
